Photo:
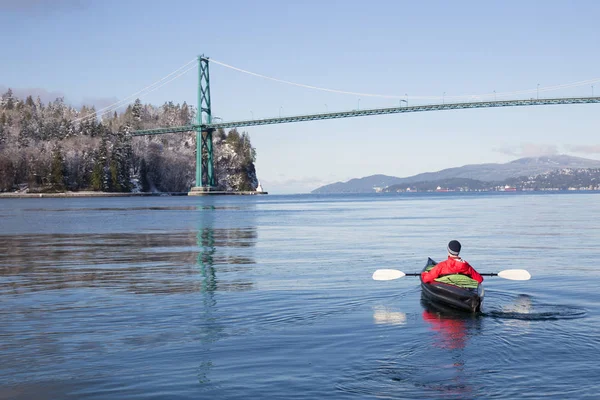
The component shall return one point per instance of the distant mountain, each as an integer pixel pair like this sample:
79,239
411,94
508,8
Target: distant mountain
529,166
360,185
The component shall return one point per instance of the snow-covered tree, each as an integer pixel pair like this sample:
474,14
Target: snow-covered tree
100,153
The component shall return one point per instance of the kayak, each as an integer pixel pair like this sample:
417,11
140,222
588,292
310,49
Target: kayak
456,290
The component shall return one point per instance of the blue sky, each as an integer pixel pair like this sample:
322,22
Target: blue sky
100,52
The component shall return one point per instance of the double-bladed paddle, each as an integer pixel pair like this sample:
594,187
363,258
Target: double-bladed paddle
512,274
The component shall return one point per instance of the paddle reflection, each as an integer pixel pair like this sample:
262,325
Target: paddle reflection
383,315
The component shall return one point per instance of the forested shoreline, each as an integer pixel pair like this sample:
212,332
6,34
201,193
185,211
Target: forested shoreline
55,147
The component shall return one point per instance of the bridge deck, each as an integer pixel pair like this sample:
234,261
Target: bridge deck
374,111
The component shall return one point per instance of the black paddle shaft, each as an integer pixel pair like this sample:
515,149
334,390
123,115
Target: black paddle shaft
488,274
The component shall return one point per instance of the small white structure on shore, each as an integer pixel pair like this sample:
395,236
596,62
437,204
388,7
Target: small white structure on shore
259,188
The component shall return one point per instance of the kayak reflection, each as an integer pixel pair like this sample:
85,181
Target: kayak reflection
453,327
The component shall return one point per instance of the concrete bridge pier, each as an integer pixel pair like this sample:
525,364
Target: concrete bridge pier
202,191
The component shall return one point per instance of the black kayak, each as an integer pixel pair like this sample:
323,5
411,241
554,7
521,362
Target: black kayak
457,291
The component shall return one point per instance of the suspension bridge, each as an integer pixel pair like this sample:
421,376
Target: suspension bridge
204,126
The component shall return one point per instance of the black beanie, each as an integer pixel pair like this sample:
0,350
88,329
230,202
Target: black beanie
454,247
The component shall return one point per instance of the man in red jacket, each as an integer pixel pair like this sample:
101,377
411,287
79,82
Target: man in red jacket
453,265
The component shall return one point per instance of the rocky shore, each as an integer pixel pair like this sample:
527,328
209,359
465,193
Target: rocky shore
21,195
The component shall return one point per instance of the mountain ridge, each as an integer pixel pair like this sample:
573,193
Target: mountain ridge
487,172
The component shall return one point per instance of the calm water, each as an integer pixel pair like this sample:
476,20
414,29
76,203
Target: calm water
272,297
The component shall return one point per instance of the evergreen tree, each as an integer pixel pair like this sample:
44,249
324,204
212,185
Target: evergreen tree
3,134
154,163
8,101
169,114
136,114
94,127
185,117
7,174
98,178
87,125
120,162
115,181
145,187
233,139
39,106
26,132
57,173
29,102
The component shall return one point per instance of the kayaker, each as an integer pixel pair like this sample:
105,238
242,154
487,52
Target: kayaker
453,265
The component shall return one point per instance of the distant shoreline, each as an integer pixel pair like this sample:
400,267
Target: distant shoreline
17,195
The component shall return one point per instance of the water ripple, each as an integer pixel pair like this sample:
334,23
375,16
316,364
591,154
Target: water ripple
526,308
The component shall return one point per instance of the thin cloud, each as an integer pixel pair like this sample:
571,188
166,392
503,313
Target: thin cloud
585,149
509,150
536,150
529,150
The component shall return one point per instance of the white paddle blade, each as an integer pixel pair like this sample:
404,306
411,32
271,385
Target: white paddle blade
387,274
515,274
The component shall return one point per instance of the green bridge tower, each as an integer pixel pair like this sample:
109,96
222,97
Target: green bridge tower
205,174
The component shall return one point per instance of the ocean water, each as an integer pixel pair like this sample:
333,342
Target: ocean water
255,297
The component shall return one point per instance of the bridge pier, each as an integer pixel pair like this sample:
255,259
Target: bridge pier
202,191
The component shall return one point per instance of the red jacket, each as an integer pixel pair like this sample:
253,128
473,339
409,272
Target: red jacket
451,266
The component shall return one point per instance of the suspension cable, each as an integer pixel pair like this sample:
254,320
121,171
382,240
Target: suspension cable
141,93
500,94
